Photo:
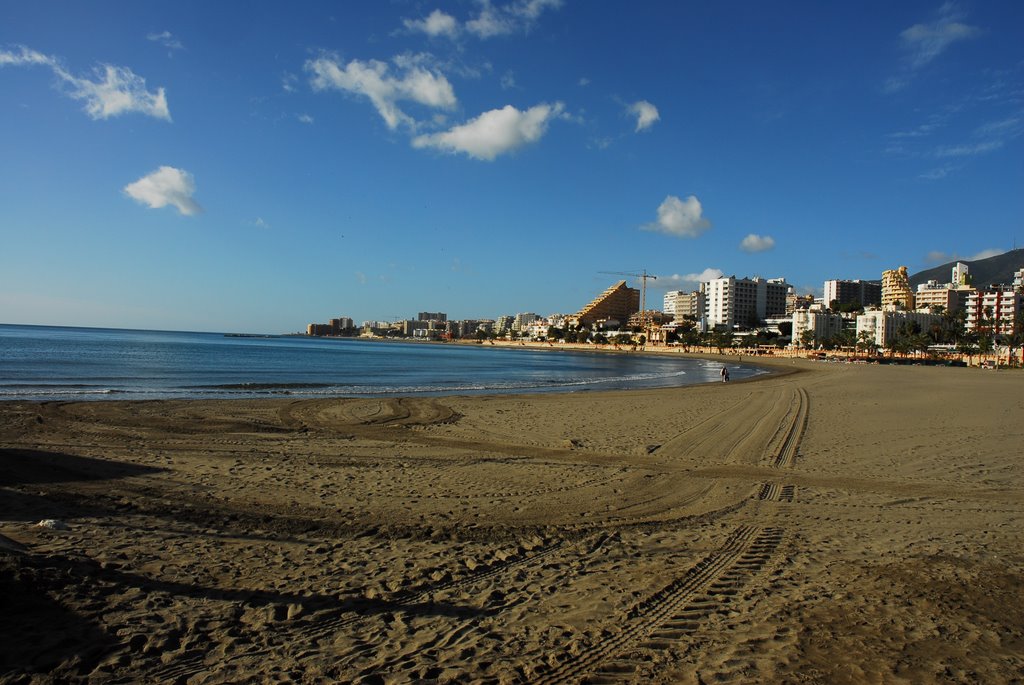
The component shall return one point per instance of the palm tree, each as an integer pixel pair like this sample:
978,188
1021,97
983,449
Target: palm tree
966,346
866,342
1015,338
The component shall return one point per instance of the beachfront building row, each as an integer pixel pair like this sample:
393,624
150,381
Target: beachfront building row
995,307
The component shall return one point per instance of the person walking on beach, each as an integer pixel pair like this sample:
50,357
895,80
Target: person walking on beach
725,375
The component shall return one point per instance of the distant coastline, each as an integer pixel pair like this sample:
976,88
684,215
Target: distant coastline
75,364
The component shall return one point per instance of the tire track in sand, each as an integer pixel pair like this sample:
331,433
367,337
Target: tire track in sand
716,439
671,614
786,455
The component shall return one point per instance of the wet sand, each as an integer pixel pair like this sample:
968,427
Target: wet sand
826,524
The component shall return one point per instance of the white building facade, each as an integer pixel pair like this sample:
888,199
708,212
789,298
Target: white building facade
735,301
679,304
822,322
884,324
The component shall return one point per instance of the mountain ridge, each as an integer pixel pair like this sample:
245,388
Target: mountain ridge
984,272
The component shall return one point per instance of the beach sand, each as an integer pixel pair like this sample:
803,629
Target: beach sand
825,524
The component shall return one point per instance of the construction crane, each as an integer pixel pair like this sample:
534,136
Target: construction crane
643,276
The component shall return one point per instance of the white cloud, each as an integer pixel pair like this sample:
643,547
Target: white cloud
305,118
260,223
115,91
688,281
681,218
988,137
925,42
510,18
494,132
646,114
166,39
165,186
939,257
120,91
373,79
437,23
968,150
531,9
1011,126
508,80
936,173
934,123
584,82
922,43
985,254
757,243
25,57
490,22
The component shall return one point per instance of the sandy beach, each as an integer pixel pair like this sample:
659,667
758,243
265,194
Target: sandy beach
828,523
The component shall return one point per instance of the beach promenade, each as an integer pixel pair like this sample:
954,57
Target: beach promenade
826,523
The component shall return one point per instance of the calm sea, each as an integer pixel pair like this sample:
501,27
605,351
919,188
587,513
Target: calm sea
53,363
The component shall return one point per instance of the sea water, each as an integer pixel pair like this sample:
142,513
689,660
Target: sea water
59,363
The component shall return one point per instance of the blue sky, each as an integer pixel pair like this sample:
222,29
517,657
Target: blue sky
257,166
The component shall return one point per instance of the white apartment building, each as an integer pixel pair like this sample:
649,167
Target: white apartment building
735,301
817,319
884,324
961,276
536,329
679,304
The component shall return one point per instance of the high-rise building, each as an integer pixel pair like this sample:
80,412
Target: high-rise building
743,302
865,293
896,289
679,304
440,317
